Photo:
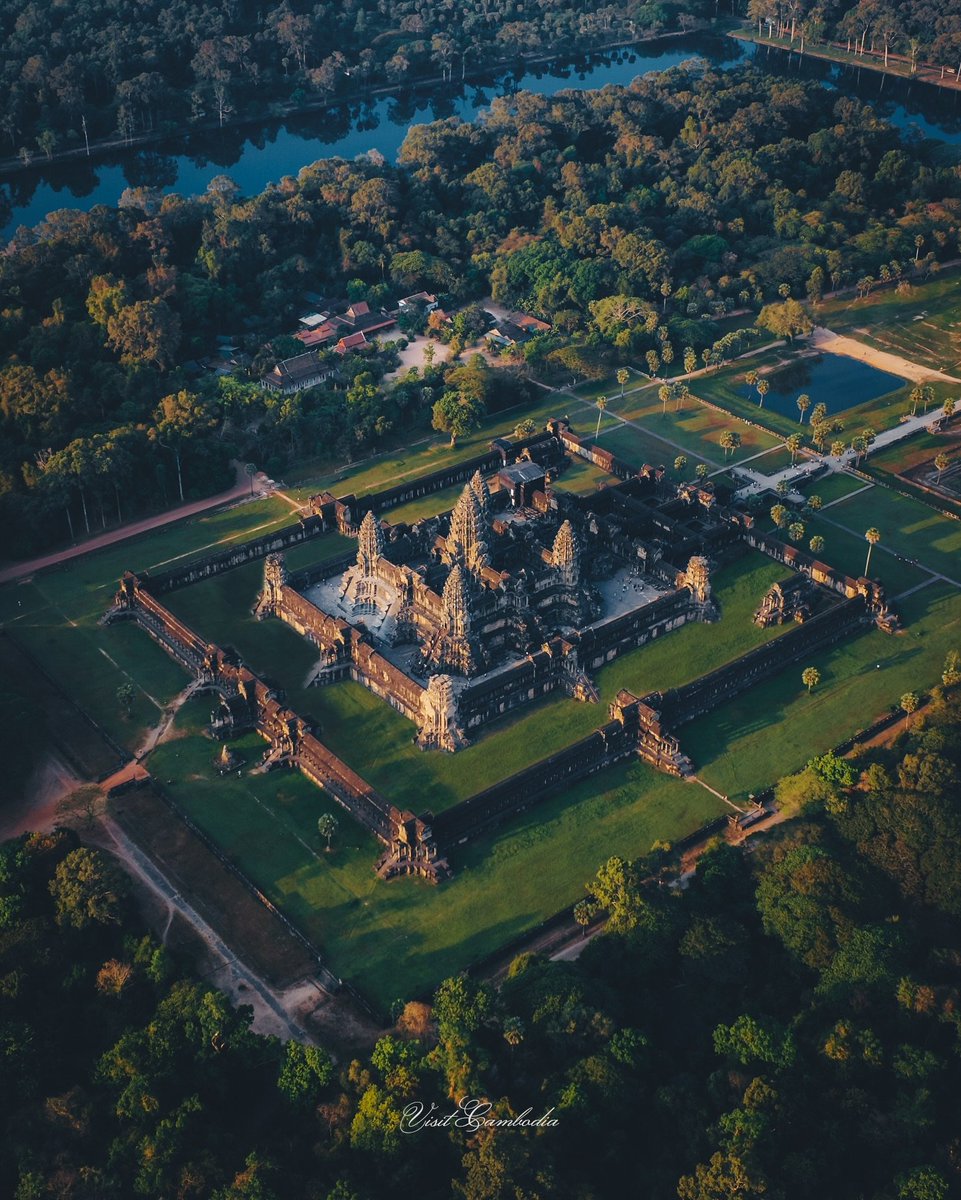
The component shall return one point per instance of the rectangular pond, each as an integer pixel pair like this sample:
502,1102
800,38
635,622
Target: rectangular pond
832,379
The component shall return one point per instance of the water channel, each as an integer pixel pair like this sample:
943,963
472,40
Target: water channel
255,155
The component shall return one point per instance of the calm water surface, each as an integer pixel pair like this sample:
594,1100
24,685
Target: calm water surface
832,379
254,156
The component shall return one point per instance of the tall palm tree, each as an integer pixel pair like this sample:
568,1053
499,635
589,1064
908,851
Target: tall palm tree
601,405
803,403
810,677
941,462
623,375
793,444
763,387
872,536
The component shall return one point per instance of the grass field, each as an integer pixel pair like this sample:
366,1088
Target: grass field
773,461
908,527
893,464
395,940
833,487
398,939
847,551
425,506
777,726
912,452
924,327
582,478
428,454
55,615
657,437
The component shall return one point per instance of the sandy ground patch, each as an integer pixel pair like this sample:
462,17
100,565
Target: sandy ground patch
894,364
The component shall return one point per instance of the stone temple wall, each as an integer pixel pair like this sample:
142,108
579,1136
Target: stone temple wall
304,530
798,560
535,676
499,454
604,642
609,744
328,513
279,725
705,694
343,646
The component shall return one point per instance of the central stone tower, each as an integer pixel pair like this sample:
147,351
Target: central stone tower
467,536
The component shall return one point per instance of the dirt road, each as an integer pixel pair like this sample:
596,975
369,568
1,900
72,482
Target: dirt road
239,490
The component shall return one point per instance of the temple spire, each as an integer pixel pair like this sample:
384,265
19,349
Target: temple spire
467,538
566,556
456,603
370,543
480,489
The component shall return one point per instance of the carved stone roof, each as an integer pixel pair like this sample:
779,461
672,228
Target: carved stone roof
370,542
456,603
480,489
467,538
566,548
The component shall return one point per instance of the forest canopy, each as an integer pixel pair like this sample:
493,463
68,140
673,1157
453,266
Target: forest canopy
785,1026
629,218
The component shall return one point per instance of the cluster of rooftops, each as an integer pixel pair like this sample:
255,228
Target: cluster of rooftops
342,326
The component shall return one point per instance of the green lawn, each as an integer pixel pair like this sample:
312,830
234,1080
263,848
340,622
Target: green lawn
425,506
399,939
921,447
56,615
773,461
777,726
847,552
834,487
907,526
697,429
219,608
386,755
889,322
638,446
892,464
419,458
582,477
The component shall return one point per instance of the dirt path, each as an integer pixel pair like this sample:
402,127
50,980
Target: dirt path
239,491
274,1013
894,364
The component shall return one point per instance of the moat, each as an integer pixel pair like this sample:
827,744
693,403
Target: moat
255,155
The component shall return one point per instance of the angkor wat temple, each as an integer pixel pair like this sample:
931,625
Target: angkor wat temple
522,590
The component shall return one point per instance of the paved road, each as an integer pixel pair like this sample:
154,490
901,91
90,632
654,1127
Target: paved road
239,490
796,473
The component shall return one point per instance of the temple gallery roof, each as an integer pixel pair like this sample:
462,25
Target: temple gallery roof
522,472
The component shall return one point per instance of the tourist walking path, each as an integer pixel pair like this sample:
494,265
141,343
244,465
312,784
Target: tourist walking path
240,489
759,483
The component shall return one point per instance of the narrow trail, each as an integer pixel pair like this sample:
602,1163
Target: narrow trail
241,984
